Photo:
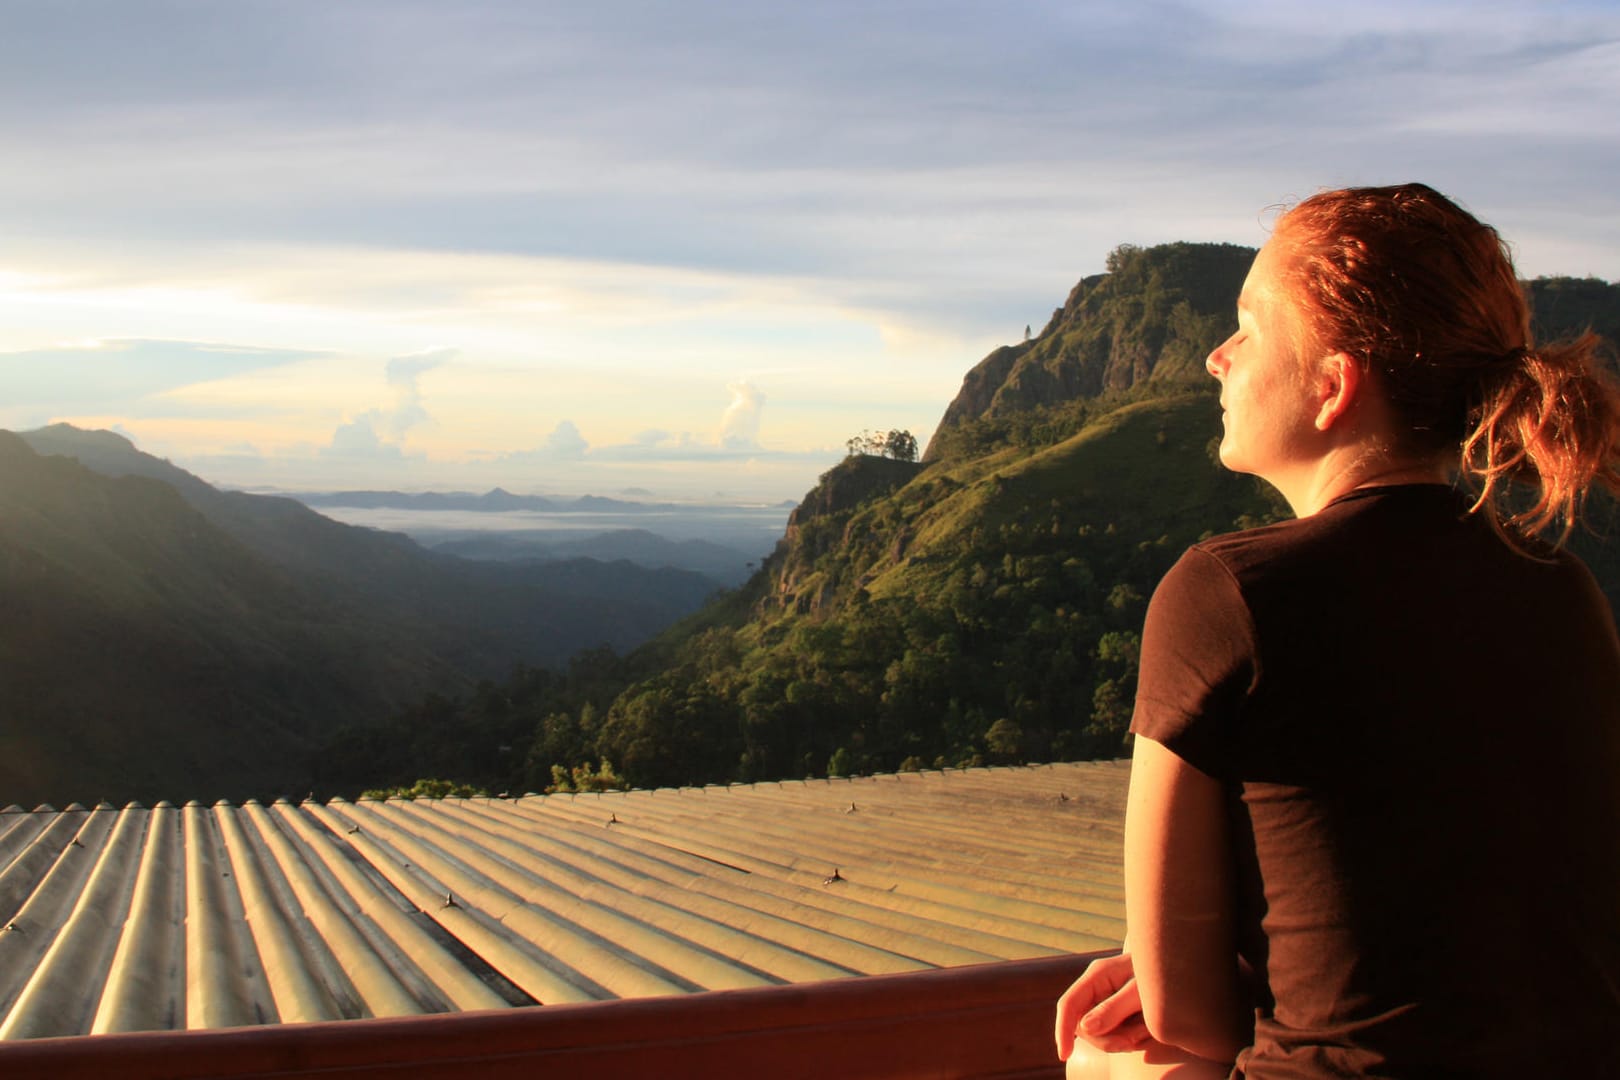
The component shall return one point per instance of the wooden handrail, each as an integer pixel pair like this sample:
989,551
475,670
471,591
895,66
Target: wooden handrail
987,1020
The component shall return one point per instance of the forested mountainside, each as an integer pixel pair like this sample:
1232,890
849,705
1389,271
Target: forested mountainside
164,639
984,605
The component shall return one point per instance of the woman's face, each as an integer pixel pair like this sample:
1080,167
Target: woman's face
1269,413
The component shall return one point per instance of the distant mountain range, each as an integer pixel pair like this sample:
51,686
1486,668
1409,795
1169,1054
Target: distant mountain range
495,500
163,638
725,542
727,565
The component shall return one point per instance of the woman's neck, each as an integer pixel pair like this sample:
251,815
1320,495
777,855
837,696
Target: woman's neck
1333,480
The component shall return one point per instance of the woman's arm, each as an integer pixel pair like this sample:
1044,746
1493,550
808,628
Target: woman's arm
1178,906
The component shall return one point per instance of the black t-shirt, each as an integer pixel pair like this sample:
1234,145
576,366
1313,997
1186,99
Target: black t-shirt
1419,728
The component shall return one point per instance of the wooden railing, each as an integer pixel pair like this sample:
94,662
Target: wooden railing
989,1020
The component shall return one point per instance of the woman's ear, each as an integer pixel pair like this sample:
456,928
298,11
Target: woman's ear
1340,385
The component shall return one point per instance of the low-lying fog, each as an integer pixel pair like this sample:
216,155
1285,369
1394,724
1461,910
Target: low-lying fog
724,542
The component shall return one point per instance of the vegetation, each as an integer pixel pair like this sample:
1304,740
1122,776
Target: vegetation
164,639
427,789
983,610
982,605
899,445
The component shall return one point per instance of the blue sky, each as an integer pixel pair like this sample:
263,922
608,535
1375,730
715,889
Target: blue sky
689,247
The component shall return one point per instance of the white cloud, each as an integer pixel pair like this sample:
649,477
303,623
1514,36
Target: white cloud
404,375
356,439
739,427
565,441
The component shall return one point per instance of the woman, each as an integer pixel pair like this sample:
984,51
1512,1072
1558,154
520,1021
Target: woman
1374,818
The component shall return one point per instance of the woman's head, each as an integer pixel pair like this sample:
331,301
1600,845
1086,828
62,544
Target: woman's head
1416,290
1423,296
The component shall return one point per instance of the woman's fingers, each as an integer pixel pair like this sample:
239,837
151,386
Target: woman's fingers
1112,1012
1074,1004
1130,1035
1102,979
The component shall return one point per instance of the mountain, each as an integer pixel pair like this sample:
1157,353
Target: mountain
1152,315
986,604
481,616
142,644
726,565
166,639
493,501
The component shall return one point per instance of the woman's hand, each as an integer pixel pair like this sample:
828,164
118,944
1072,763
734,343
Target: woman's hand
1103,1008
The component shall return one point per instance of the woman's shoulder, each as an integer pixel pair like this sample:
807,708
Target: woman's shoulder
1365,523
1249,551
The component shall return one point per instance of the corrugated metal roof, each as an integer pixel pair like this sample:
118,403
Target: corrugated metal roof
207,917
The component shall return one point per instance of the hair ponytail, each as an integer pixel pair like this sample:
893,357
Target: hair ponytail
1425,296
1549,418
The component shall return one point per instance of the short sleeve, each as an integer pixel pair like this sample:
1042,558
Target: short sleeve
1198,664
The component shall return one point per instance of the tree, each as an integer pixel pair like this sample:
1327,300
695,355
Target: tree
900,445
427,788
1004,739
584,778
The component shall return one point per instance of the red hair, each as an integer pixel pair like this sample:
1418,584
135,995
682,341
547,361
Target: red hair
1424,295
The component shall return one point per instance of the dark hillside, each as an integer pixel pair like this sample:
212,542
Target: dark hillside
480,617
1565,306
160,638
145,653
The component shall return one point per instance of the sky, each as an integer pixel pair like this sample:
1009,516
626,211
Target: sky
690,248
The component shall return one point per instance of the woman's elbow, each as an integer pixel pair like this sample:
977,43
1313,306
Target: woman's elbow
1185,1024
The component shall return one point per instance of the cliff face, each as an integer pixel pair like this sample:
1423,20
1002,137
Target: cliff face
818,529
848,484
1154,315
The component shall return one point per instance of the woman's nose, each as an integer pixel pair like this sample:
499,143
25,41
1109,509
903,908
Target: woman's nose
1215,362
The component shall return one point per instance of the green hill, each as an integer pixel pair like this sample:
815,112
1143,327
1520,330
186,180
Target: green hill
984,605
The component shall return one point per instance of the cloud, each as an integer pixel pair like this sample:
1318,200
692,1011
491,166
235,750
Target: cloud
361,437
739,427
404,374
357,439
565,441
